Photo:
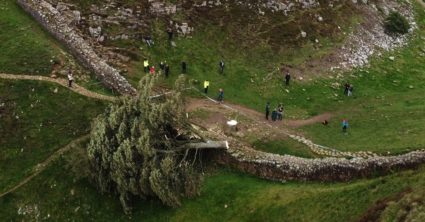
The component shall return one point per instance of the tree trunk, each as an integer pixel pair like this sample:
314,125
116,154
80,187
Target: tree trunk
207,145
191,146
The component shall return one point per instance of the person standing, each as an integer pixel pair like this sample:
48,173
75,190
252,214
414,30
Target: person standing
280,112
350,90
70,78
220,96
162,65
274,115
287,78
146,65
206,86
170,34
267,110
166,70
148,40
184,67
344,125
221,64
346,87
152,70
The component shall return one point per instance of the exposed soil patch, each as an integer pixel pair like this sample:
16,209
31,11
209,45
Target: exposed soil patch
194,104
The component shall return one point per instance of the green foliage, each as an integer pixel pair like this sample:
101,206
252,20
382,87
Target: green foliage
132,148
396,23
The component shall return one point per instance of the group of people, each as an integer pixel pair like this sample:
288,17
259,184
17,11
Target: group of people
276,114
164,67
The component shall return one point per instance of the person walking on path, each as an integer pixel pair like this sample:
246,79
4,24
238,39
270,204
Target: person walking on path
146,65
206,86
152,70
344,125
220,96
166,70
287,78
221,64
70,78
267,110
184,67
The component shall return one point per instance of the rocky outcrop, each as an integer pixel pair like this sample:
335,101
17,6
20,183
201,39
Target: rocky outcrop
60,26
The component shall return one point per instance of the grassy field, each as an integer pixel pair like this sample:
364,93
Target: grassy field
25,48
60,197
284,146
35,122
385,114
387,99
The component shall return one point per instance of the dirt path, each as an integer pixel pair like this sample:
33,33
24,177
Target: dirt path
194,104
279,126
42,166
63,82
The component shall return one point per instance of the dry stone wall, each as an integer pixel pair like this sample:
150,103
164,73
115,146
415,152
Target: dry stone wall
59,25
286,167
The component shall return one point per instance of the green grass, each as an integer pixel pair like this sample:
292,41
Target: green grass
25,48
385,115
35,122
286,146
248,199
384,104
382,94
387,104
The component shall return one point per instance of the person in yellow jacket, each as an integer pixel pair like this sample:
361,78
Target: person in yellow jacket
206,85
146,65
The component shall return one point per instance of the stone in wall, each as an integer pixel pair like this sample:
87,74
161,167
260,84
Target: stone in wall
58,25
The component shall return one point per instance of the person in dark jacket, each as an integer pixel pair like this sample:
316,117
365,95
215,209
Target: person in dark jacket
267,110
170,34
287,78
166,70
220,96
184,67
221,64
274,115
346,87
162,65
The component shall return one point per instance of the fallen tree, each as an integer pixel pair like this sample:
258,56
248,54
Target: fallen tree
144,147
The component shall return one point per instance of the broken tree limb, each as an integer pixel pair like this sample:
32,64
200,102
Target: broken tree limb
207,145
190,146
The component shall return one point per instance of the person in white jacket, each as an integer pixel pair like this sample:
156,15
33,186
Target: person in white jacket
70,78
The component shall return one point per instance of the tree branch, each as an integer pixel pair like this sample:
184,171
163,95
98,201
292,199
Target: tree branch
204,146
